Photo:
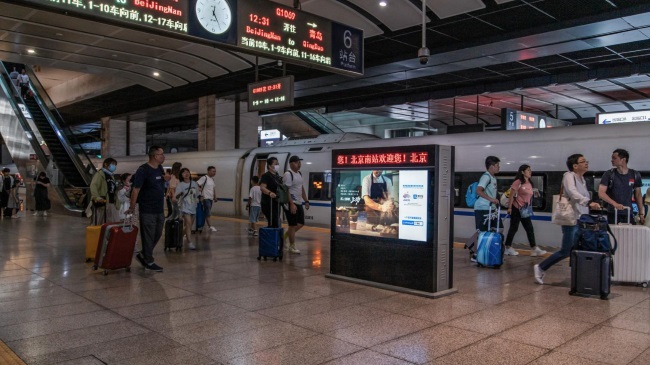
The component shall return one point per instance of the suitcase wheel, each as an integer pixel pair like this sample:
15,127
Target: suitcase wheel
178,249
645,285
128,269
497,267
280,258
259,258
275,259
95,267
105,272
264,258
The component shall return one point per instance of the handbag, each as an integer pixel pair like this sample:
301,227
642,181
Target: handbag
563,214
526,212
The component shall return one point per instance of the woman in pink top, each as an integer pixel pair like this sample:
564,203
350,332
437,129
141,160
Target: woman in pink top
520,208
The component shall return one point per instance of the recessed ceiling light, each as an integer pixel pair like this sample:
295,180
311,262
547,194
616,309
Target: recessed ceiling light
58,34
114,55
383,3
30,51
156,74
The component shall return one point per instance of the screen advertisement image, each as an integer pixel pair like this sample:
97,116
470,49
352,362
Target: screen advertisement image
382,203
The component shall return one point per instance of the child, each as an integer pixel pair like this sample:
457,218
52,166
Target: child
254,204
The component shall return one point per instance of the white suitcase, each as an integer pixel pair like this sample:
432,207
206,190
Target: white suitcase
632,258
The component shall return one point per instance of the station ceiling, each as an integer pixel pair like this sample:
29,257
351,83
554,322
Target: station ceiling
569,59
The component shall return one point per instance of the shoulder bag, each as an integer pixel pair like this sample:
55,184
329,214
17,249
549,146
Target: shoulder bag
563,214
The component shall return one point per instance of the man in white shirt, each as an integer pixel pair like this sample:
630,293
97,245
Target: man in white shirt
208,194
295,215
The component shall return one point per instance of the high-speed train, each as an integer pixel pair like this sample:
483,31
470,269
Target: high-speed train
545,150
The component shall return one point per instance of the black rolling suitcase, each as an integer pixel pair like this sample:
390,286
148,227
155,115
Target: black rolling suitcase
591,273
174,231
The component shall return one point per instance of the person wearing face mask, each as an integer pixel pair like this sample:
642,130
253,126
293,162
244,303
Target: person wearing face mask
103,193
269,184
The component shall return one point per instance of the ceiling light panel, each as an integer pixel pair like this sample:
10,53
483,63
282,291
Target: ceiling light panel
448,8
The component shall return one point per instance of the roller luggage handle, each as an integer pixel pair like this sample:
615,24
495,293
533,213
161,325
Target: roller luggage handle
490,218
629,216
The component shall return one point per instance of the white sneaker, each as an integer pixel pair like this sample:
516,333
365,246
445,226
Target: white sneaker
537,252
294,250
213,229
511,252
539,274
35,213
44,214
191,246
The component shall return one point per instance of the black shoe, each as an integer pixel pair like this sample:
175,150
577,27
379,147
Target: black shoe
140,258
153,267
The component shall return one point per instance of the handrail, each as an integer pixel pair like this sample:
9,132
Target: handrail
63,131
9,91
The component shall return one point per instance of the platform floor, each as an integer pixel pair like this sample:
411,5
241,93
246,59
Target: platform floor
219,305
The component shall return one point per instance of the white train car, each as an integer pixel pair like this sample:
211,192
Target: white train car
545,150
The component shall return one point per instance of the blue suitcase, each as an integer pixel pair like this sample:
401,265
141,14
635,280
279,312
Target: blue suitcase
271,242
490,246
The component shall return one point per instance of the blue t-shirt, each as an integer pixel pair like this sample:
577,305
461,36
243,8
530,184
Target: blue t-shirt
152,189
489,184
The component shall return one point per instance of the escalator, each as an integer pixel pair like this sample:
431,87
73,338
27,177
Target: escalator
51,142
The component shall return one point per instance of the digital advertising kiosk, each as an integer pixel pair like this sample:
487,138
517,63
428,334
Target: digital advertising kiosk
392,218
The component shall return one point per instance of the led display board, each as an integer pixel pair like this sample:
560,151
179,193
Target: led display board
517,120
255,26
624,117
404,159
270,94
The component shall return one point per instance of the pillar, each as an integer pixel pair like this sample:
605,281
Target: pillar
123,138
226,125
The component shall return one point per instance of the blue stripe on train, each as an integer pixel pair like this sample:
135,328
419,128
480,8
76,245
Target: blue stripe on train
466,213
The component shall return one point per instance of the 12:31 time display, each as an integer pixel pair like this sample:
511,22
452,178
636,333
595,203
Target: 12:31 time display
261,20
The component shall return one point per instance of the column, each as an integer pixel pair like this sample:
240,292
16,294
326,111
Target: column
137,138
223,127
114,137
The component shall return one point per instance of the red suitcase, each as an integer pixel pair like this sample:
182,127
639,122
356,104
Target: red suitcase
116,246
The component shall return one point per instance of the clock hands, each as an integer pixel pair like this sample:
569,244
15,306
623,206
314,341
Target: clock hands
214,9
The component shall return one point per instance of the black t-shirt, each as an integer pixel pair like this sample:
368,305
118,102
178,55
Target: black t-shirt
152,189
38,188
271,180
621,188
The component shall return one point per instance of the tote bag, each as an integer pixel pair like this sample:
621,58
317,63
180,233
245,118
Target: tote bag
563,214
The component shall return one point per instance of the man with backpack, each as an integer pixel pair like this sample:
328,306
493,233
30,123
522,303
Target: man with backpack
486,190
618,185
295,214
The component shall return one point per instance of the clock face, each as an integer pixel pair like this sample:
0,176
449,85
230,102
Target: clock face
214,15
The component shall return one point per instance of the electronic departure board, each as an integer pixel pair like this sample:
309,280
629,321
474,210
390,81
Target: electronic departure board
270,94
255,26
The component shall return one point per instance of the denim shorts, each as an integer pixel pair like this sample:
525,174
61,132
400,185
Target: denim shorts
254,214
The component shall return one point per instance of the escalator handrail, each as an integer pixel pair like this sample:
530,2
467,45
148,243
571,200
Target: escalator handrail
64,133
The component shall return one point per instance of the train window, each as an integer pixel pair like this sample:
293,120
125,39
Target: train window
319,185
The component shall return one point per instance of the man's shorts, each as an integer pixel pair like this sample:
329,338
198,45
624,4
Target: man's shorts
254,214
207,207
296,219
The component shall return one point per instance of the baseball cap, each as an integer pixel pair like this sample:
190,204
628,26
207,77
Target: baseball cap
295,159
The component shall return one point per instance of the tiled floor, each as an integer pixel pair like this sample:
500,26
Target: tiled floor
219,305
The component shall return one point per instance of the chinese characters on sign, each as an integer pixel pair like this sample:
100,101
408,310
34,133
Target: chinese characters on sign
383,159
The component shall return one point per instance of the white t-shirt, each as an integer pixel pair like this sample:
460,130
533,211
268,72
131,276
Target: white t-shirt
295,185
208,189
187,194
255,196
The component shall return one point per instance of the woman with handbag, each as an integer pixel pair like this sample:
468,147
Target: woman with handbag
574,187
520,209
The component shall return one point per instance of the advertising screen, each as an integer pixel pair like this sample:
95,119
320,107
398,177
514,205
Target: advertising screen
383,203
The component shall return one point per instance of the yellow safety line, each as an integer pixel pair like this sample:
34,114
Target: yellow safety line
8,357
459,245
